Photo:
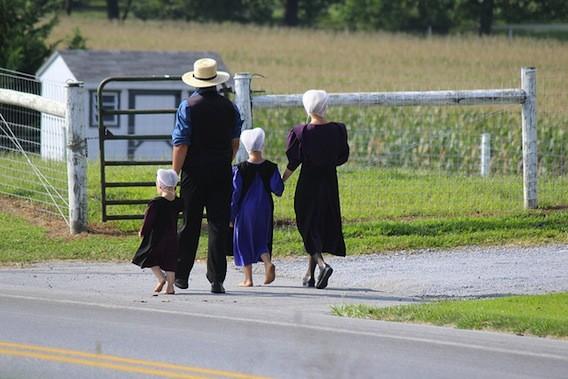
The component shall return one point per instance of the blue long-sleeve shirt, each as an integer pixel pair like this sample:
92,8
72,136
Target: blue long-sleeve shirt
181,134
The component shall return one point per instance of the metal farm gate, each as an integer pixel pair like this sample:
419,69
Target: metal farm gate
133,139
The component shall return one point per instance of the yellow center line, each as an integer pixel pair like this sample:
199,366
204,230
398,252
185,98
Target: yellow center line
86,362
54,354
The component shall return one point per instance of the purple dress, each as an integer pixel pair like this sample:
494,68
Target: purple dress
252,209
319,149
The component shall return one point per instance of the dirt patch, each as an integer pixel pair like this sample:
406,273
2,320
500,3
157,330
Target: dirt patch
52,223
35,215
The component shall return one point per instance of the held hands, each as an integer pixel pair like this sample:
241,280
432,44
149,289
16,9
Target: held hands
287,174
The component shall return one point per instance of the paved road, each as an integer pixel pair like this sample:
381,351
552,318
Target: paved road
108,325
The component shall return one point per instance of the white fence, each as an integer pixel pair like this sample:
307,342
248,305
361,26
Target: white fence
26,149
51,180
525,96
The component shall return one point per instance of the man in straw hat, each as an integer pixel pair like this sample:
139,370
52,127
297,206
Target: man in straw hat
205,139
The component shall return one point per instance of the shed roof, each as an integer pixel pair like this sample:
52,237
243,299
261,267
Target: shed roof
96,65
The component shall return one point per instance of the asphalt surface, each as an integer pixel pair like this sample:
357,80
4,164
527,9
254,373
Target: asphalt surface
110,325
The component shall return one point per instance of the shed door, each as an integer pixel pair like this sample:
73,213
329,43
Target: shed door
151,124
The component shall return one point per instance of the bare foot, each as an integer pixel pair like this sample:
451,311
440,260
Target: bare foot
270,274
159,286
245,283
170,291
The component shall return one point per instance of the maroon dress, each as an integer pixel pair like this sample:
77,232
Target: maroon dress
319,149
159,246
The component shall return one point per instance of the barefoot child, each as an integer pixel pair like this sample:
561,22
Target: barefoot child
159,247
252,207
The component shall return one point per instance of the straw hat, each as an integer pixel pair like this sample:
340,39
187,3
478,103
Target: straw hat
205,74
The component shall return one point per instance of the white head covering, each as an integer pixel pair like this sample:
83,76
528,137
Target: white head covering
167,178
315,102
253,139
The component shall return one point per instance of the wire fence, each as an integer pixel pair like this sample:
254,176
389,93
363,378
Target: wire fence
420,161
32,147
405,162
427,161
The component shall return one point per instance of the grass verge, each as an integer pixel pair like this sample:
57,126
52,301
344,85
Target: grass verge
25,239
540,315
31,237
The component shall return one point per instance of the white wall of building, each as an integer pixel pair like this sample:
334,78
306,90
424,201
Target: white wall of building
52,132
53,135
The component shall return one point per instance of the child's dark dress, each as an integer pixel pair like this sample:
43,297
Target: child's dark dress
252,209
319,149
159,246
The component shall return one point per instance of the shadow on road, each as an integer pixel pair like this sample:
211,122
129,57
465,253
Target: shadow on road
345,294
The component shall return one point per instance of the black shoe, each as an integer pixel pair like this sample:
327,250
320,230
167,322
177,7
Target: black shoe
181,283
217,287
324,275
308,281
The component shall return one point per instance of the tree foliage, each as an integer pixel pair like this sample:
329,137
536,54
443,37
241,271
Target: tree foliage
255,11
441,16
24,27
404,15
438,16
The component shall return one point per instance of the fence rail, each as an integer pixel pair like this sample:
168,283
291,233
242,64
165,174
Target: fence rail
31,101
397,99
38,133
526,96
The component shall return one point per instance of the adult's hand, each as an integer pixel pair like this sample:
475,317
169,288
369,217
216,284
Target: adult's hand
287,174
235,143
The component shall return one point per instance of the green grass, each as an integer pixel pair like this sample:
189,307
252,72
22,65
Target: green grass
24,242
383,210
540,315
380,236
374,194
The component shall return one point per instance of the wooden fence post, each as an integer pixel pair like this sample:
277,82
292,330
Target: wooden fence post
530,158
76,156
243,102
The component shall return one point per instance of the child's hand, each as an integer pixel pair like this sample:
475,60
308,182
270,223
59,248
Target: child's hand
140,233
230,225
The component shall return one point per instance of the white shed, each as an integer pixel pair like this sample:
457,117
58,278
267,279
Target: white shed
91,67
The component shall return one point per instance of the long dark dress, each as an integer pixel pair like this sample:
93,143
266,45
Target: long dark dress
252,209
159,246
319,149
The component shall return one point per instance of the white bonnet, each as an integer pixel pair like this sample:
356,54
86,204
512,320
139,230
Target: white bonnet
167,178
253,139
315,102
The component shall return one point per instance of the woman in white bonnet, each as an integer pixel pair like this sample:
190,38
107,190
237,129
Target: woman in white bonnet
319,147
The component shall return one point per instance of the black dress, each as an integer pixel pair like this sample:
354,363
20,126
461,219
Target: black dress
159,246
319,149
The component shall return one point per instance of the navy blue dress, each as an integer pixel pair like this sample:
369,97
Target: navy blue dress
319,149
252,209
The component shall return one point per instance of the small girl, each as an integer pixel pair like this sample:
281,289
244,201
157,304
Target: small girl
252,208
159,247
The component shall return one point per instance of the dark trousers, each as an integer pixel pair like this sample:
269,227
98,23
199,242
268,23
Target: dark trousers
208,188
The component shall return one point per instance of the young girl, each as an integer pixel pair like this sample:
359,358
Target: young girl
252,207
159,247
